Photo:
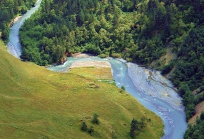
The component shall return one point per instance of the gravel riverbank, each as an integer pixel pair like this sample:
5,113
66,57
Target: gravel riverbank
154,84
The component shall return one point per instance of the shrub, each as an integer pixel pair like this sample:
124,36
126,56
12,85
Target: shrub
95,119
102,55
84,126
91,130
123,88
166,69
137,126
202,116
116,55
91,48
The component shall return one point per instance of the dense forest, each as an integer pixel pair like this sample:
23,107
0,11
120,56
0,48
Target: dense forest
137,30
106,28
196,131
8,10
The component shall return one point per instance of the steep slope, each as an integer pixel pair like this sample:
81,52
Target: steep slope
37,103
139,31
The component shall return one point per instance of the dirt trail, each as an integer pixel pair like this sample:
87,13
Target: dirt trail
169,55
199,109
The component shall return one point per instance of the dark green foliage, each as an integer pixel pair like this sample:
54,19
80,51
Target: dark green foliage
88,26
91,130
199,98
84,126
90,48
202,116
8,10
196,131
195,10
190,110
183,88
190,68
5,33
115,55
166,69
123,87
189,74
136,126
58,53
188,100
95,119
133,127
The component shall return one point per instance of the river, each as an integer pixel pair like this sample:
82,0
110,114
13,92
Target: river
150,88
13,45
150,93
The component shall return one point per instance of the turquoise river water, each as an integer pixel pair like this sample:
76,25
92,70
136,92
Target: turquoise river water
151,89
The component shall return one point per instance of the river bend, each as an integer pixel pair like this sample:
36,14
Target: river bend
150,88
150,93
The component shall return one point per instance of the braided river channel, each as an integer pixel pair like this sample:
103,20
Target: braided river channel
149,87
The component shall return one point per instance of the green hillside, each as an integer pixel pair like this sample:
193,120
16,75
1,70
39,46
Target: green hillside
37,103
136,30
163,35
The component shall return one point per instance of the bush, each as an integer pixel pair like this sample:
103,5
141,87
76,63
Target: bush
91,48
23,9
183,88
5,34
102,56
95,119
202,116
84,126
166,69
116,55
190,111
136,126
123,88
91,130
128,59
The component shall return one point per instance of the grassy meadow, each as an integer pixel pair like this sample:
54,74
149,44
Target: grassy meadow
38,103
